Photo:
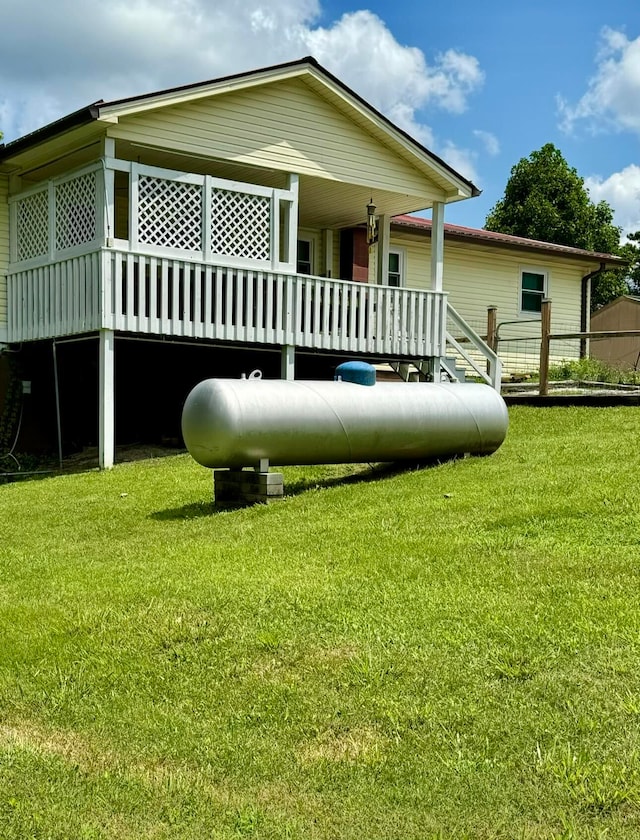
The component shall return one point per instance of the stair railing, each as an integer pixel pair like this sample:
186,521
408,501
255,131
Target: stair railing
493,373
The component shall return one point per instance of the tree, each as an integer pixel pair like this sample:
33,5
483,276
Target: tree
546,199
631,252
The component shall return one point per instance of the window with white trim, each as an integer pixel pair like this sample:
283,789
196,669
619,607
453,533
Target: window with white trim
305,256
307,252
395,274
533,289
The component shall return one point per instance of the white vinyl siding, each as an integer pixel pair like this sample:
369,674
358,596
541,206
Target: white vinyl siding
477,277
4,245
283,125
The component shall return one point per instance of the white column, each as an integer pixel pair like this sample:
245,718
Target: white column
293,187
382,262
328,252
108,216
106,396
287,362
437,246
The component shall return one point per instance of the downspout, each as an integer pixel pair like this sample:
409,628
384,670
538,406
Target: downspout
585,298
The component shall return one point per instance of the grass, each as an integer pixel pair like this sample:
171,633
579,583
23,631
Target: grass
444,653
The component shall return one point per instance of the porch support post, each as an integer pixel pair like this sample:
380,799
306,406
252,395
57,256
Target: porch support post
108,222
328,252
382,262
287,362
106,397
437,246
293,186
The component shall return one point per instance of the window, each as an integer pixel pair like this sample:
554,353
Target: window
395,275
533,288
305,256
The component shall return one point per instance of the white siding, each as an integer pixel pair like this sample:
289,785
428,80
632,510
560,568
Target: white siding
282,125
479,276
4,246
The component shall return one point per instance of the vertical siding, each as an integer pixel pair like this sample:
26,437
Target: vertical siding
621,314
4,245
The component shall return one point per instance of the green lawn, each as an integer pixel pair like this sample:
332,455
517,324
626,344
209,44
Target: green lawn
452,652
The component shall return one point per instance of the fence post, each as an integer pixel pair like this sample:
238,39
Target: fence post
545,325
492,337
492,334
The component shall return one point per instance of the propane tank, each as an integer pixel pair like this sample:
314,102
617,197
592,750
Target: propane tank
252,421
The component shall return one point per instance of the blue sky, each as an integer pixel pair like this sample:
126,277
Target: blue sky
482,84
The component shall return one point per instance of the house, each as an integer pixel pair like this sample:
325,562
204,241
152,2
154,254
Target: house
620,314
259,220
511,273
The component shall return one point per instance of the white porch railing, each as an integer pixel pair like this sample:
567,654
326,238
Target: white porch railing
118,290
473,351
57,299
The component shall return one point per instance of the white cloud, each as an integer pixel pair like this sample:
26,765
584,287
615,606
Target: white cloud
57,57
622,191
489,141
360,49
462,160
612,99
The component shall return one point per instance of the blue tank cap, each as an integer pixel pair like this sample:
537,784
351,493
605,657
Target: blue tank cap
360,373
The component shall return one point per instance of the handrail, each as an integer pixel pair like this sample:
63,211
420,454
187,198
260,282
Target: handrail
518,322
493,375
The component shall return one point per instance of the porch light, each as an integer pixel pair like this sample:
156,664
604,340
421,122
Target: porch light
372,224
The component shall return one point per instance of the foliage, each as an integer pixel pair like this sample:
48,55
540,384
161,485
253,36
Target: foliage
546,199
608,286
592,370
439,653
631,252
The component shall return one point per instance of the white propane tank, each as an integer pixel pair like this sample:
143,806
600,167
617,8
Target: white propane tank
246,422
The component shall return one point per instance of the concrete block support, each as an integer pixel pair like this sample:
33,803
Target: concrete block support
239,488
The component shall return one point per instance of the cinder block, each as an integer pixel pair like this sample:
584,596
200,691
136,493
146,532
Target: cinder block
235,488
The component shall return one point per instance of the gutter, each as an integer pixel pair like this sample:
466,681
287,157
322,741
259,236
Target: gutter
585,314
82,117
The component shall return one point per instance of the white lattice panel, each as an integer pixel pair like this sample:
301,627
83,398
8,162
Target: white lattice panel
240,224
32,235
76,211
169,213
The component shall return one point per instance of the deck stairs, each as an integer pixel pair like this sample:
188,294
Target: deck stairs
421,370
467,356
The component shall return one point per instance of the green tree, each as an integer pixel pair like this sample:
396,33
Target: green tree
631,252
546,199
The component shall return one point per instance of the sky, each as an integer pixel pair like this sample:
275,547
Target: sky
481,84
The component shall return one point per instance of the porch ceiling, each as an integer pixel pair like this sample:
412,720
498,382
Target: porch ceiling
326,204
323,203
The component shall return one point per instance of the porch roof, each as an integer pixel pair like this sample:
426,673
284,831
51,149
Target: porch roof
89,123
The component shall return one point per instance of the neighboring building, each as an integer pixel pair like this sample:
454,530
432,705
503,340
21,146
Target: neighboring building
623,313
259,220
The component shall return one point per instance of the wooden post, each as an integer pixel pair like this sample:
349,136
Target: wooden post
545,325
492,338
